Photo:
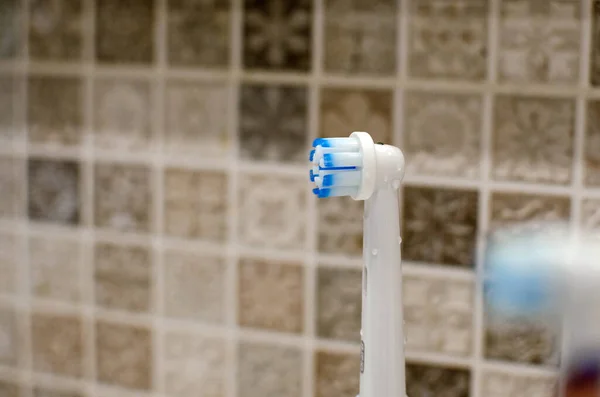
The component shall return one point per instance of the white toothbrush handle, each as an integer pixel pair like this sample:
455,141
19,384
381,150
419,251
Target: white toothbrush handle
382,340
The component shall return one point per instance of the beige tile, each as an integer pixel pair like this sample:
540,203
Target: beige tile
43,391
8,87
10,261
433,380
590,217
11,30
9,389
11,183
10,341
595,53
500,384
340,226
336,374
592,145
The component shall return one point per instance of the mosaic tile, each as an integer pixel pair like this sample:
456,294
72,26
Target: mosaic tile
448,39
336,374
195,365
340,226
272,211
9,389
198,32
50,121
590,215
339,295
57,344
498,384
595,49
11,180
54,191
132,370
56,30
55,268
10,341
125,31
271,295
54,391
442,134
592,145
266,370
10,260
273,123
440,225
533,139
10,37
194,286
360,37
123,197
123,114
197,117
430,380
123,277
539,41
195,204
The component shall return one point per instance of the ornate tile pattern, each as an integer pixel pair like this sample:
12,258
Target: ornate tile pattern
498,384
439,225
10,341
360,37
448,39
11,181
271,295
10,262
533,139
277,35
273,123
425,380
592,145
442,134
340,227
336,374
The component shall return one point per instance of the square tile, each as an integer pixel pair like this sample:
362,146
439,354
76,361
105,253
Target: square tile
595,49
56,266
9,389
345,110
448,40
10,261
277,35
195,365
272,211
592,145
125,31
198,33
336,374
340,226
56,30
11,184
266,370
54,191
539,41
55,110
499,384
123,114
8,89
194,286
123,277
54,391
442,134
195,204
197,119
438,315
360,37
132,370
123,197
10,339
271,295
533,139
590,216
339,300
431,380
57,344
439,225
10,29
273,123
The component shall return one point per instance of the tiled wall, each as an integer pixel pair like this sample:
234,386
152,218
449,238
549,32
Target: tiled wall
158,235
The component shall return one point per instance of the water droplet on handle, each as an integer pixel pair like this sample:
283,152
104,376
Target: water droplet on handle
399,240
374,252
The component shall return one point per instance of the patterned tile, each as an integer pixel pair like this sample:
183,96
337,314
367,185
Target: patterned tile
271,295
132,370
11,181
123,277
10,260
55,268
277,35
56,30
198,32
448,39
592,145
269,370
10,341
336,374
360,37
539,41
194,286
9,389
346,110
272,211
10,37
273,124
122,114
125,31
440,225
195,204
590,215
123,197
339,294
54,391
498,384
533,139
442,134
340,226
438,315
429,380
197,118
57,344
595,49
54,191
51,121
195,365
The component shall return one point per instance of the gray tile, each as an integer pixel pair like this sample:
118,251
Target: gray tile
595,49
11,259
341,226
56,30
10,35
10,346
431,380
592,145
12,179
9,389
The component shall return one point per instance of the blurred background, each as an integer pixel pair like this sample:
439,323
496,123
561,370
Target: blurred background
158,236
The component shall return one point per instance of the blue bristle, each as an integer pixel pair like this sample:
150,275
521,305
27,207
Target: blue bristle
316,191
312,175
328,160
319,141
328,180
324,193
337,168
311,157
